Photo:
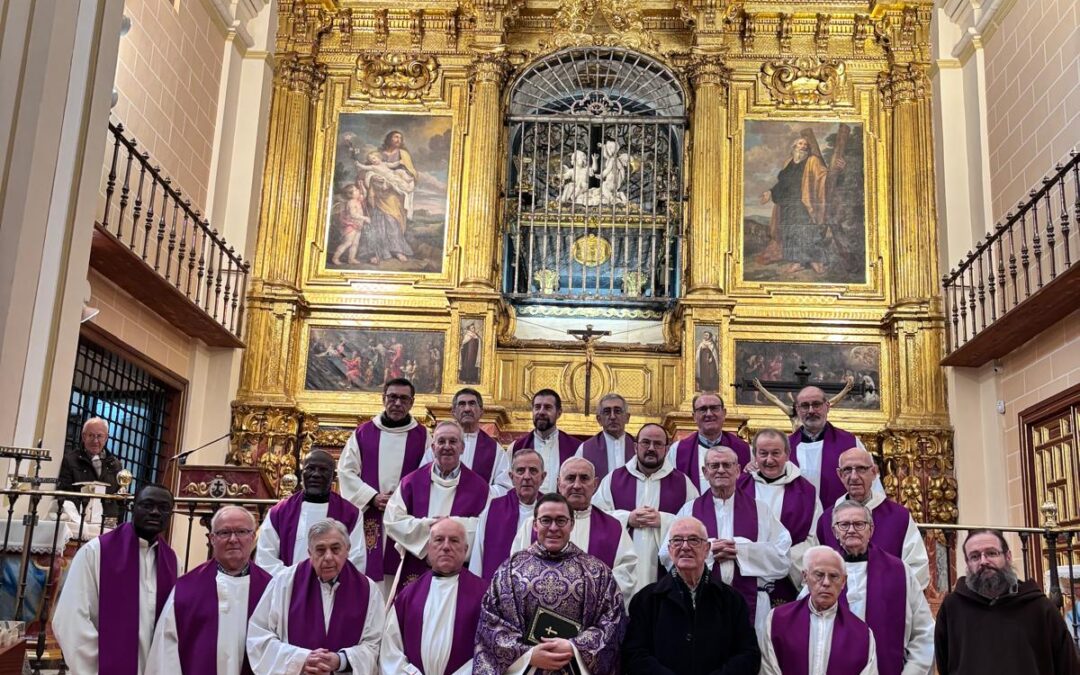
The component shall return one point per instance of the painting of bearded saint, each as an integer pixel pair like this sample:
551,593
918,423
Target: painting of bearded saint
804,202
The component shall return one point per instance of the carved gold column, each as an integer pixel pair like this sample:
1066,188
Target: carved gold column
708,164
480,229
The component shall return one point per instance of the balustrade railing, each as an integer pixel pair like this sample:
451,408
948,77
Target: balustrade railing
1033,246
145,212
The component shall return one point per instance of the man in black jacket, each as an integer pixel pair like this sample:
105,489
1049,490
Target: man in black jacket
92,462
687,623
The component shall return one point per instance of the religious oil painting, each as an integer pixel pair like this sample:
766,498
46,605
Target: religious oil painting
362,359
706,359
804,202
471,351
388,198
834,363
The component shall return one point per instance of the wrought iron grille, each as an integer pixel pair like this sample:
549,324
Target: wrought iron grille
594,205
136,405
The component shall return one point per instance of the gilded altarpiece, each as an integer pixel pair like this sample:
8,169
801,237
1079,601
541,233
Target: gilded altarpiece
852,72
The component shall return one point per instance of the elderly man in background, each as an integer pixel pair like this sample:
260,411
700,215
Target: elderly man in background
688,455
818,635
482,453
688,623
994,623
283,537
505,515
432,628
115,590
92,463
612,447
320,615
203,626
646,493
553,444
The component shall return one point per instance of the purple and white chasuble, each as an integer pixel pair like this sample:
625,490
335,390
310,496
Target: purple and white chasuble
495,533
822,466
555,450
798,641
595,450
277,546
688,455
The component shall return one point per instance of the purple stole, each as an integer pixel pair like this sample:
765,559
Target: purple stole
470,498
499,530
483,462
890,527
850,648
568,445
886,607
605,533
196,608
381,559
834,442
118,597
409,607
745,525
624,490
307,627
686,454
595,450
285,516
796,515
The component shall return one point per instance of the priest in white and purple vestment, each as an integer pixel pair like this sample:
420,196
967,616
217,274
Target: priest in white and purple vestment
283,536
320,615
749,545
553,444
895,530
373,462
445,487
612,447
203,626
552,588
688,455
431,629
818,635
597,533
482,454
505,515
646,492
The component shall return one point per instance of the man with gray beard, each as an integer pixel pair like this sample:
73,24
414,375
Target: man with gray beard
994,623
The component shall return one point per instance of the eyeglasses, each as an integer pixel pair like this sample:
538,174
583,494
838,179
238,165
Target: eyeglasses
398,398
692,542
714,409
857,525
850,470
548,521
646,443
713,466
611,412
811,405
226,535
96,437
976,556
833,577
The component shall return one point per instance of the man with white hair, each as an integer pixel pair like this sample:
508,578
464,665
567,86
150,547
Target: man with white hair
613,446
92,463
203,626
505,515
319,616
482,454
818,635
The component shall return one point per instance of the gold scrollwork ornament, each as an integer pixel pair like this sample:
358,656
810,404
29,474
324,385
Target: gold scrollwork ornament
591,250
394,76
804,80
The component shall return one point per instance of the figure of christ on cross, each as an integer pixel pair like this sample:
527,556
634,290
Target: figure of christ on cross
589,338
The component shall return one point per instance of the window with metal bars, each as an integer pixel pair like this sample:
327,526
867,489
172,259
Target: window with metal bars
137,405
594,205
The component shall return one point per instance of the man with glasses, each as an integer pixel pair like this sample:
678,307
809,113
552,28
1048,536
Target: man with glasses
612,447
93,463
816,445
482,453
688,622
818,635
372,463
884,592
283,536
895,531
994,623
505,515
688,455
552,443
748,544
552,607
646,493
203,626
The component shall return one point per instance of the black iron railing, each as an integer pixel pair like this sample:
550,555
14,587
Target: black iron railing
158,224
1033,246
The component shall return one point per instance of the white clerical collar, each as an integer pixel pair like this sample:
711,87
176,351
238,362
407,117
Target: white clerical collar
823,613
659,474
723,501
471,434
876,499
585,513
782,479
552,438
611,440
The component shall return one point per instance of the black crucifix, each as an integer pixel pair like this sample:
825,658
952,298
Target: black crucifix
802,379
589,338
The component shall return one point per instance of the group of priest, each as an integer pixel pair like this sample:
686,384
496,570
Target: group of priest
446,554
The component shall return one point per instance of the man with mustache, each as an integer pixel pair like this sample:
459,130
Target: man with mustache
553,445
646,492
444,487
884,592
372,464
505,515
115,590
994,623
597,533
283,536
748,545
482,453
895,531
688,455
612,447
